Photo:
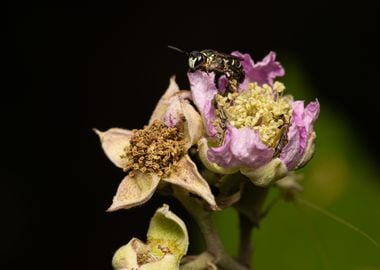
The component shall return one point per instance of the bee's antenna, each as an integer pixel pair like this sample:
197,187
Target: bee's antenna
177,49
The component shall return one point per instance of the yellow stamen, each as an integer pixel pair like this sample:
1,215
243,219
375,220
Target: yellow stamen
260,108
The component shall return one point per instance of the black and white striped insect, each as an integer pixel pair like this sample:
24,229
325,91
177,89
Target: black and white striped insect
217,62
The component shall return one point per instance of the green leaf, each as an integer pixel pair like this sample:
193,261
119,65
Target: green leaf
266,174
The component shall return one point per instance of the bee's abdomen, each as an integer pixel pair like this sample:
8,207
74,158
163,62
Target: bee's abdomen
239,75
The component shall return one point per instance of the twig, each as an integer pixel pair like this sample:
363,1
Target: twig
204,220
200,262
246,244
337,219
250,208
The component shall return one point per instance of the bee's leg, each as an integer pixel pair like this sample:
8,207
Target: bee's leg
240,76
283,140
232,86
222,124
216,79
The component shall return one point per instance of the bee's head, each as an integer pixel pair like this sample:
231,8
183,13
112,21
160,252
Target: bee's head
196,60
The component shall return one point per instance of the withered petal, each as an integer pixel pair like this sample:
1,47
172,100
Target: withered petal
163,103
134,190
193,124
113,143
185,174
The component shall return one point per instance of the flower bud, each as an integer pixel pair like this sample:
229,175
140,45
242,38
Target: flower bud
167,243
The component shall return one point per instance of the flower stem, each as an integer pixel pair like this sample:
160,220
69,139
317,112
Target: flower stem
205,222
246,244
200,262
250,209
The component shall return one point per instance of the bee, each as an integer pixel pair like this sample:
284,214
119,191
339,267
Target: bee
221,64
217,62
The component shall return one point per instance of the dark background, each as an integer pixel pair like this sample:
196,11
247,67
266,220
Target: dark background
72,68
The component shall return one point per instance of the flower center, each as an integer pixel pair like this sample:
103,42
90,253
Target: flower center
260,108
154,149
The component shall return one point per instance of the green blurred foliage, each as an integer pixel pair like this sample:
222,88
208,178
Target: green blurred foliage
342,179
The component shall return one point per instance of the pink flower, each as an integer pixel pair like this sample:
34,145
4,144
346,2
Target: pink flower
256,129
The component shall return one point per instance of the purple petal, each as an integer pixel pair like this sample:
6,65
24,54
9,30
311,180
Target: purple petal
173,113
222,84
203,90
292,152
241,148
261,72
299,132
170,120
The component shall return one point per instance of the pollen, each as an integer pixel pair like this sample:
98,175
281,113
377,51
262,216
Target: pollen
262,108
144,257
154,149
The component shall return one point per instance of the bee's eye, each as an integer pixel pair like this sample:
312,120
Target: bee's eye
199,60
196,60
